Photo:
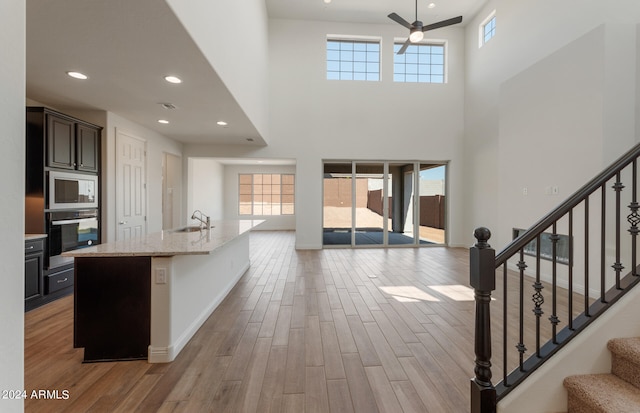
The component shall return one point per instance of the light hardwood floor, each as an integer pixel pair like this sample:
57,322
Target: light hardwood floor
338,330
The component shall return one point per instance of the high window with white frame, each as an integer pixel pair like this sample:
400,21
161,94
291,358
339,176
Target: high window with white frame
353,59
487,29
423,63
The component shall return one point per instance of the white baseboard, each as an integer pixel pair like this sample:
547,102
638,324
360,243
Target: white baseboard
159,355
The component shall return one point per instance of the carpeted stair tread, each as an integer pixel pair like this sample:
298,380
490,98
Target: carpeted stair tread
603,393
625,360
627,348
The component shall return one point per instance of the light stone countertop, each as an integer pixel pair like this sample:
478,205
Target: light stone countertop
171,242
29,237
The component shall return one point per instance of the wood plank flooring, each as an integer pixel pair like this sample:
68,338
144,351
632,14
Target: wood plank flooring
336,330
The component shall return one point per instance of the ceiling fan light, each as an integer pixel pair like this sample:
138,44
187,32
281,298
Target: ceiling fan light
416,35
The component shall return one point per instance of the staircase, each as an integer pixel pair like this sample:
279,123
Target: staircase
617,392
551,283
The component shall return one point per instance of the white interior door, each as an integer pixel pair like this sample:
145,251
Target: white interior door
131,209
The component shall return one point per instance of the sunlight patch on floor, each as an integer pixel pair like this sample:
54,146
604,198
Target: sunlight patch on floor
407,293
410,294
455,292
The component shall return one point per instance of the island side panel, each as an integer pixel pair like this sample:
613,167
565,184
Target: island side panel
195,286
112,311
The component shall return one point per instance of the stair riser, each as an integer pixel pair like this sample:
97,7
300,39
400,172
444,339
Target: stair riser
626,370
577,405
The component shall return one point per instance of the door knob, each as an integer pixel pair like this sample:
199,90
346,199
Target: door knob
123,222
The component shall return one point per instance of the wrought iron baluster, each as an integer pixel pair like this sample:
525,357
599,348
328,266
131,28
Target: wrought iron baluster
570,269
634,218
603,228
505,312
554,278
520,346
586,256
537,298
618,267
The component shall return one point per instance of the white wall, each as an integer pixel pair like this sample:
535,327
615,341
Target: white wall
241,61
231,172
550,130
12,158
312,119
566,79
206,188
157,145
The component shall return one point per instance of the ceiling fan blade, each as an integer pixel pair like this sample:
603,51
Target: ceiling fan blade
404,47
443,23
400,20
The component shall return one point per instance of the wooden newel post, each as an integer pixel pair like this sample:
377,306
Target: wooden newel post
483,280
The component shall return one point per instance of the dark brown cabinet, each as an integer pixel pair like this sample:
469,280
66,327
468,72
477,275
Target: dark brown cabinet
61,142
55,142
87,148
33,272
59,280
70,143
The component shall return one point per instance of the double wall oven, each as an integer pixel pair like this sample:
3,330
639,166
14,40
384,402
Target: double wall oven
72,220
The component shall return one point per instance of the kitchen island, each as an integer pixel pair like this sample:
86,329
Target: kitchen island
144,298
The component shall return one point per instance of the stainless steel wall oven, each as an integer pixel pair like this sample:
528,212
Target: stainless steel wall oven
70,230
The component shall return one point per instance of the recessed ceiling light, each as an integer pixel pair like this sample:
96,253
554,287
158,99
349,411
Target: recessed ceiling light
173,79
169,106
327,1
78,75
221,123
163,121
431,5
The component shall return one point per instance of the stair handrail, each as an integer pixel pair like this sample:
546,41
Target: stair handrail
571,202
484,262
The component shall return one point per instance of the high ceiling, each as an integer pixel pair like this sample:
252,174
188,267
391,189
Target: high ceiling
127,47
372,11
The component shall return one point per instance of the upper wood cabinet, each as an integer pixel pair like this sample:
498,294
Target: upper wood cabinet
70,143
61,142
87,150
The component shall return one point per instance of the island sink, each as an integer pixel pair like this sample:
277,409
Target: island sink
193,228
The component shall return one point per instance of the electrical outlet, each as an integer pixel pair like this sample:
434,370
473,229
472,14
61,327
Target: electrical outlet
161,275
525,191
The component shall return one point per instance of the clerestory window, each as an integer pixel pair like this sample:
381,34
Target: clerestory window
488,28
353,60
419,63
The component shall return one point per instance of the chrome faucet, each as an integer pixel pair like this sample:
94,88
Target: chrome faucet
206,223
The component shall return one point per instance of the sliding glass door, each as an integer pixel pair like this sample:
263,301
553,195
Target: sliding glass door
383,203
369,206
432,203
338,197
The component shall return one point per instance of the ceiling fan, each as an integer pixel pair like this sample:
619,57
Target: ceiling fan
416,29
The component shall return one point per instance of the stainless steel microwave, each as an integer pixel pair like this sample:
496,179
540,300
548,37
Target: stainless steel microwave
68,190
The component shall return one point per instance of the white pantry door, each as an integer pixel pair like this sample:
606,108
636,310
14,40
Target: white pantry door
131,187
